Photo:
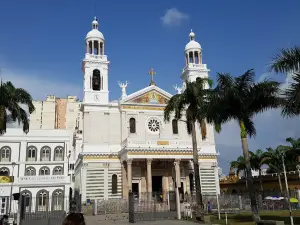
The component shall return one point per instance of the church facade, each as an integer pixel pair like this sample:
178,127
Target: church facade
126,145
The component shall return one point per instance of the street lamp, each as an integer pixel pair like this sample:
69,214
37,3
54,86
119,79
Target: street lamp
13,164
287,190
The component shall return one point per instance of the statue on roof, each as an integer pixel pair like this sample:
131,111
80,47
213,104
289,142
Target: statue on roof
123,87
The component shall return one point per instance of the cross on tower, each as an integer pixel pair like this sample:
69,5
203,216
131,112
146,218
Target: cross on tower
152,73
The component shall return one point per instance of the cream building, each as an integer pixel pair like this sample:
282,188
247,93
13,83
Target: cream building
126,145
37,163
57,113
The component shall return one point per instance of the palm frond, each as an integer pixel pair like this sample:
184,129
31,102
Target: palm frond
286,60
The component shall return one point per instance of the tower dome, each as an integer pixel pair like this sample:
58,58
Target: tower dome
193,51
192,45
94,33
94,40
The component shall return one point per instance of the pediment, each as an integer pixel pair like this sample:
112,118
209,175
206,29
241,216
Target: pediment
151,95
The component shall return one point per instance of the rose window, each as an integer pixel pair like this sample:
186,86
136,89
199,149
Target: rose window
153,125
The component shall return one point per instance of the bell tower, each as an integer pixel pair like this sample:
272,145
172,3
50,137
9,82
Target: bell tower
95,68
193,61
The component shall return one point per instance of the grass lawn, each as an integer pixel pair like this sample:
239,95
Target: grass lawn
246,218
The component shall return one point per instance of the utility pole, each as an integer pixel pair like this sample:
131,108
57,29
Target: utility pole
287,190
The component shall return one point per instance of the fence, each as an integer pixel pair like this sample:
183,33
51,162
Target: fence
237,203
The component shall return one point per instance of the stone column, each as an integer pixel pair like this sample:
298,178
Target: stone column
177,172
149,178
124,181
87,47
99,48
129,174
93,47
194,57
103,48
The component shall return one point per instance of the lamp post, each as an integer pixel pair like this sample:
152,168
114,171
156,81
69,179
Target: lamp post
287,190
13,164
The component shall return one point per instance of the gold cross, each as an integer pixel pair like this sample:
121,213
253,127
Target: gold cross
152,73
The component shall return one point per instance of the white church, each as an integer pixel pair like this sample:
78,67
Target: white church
126,145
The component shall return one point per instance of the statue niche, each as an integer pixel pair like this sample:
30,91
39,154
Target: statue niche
96,80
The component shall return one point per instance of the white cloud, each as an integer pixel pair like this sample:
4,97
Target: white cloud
173,17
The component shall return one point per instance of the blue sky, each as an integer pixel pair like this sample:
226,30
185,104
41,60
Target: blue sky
42,41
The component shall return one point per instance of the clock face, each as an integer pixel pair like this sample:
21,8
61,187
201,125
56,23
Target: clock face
96,97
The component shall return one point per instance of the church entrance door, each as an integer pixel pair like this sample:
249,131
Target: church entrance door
157,188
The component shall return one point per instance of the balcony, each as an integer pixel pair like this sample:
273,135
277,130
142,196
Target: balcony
157,143
195,66
47,179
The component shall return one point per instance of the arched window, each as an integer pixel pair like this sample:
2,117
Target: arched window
42,198
58,200
28,199
96,80
31,153
59,153
30,171
58,170
132,125
4,171
44,171
114,184
45,153
175,126
5,154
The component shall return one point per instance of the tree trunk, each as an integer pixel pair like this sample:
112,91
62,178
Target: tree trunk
279,181
249,177
196,168
2,120
261,183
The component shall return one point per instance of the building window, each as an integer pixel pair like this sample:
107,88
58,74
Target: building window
3,201
31,153
4,171
44,171
114,184
27,195
175,126
30,171
59,153
58,200
132,125
153,125
42,200
96,82
58,170
5,154
45,153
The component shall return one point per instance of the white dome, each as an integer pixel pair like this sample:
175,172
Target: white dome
95,34
192,45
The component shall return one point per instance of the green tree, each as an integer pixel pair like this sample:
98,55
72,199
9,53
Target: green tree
10,109
258,159
189,107
288,61
275,162
239,165
241,99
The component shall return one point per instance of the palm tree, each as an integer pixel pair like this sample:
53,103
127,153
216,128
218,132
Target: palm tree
189,103
258,159
292,153
288,61
239,165
10,109
241,99
274,162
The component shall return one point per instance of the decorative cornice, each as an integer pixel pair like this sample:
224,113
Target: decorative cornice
142,107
